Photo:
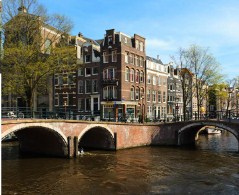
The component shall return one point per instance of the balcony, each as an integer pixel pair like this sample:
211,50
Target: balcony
112,81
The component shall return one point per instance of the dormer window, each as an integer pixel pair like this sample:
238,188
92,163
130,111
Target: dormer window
125,40
137,44
141,46
110,40
87,58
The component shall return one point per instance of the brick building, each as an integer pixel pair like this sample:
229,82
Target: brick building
122,76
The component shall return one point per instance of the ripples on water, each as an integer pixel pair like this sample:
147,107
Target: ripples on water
210,168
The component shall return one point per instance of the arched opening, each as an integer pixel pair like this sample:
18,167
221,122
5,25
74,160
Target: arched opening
41,141
197,135
97,138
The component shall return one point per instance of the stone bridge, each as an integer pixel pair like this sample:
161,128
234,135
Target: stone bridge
64,137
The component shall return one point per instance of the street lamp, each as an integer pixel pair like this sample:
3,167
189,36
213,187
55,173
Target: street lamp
176,108
142,108
237,102
65,108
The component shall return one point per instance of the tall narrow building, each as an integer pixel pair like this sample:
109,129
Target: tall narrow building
122,76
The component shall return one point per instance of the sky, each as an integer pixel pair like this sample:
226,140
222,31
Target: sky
167,25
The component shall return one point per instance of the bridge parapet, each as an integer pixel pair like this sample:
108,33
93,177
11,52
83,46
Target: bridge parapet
113,135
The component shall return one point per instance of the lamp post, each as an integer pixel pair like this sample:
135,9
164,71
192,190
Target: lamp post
142,108
237,102
65,108
176,108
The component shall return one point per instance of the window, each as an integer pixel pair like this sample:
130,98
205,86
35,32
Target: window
70,99
163,113
137,44
141,92
60,78
159,96
114,56
131,59
80,72
56,100
137,76
148,95
47,46
110,40
137,94
126,74
105,57
141,76
164,97
132,93
136,60
126,57
81,104
141,61
125,40
87,58
60,99
95,70
87,71
159,81
88,86
109,92
131,75
154,96
154,66
141,46
154,80
149,79
87,104
80,86
164,81
70,79
109,73
94,85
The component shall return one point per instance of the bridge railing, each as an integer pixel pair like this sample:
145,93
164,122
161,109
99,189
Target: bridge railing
61,113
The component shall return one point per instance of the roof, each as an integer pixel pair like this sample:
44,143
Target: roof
154,60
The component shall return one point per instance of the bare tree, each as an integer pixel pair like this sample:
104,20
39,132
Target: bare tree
198,69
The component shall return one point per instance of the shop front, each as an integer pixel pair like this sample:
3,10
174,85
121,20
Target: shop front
119,111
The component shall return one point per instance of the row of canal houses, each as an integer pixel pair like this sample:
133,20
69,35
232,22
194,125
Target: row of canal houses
116,80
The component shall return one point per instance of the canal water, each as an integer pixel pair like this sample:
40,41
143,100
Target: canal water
212,167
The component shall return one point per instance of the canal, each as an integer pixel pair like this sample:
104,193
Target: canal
212,167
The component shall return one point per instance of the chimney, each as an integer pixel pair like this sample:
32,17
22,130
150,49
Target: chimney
158,57
22,9
80,34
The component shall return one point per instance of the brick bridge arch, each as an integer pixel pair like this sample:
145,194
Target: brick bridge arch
42,138
189,132
98,136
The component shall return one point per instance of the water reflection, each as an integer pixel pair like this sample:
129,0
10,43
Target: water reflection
209,169
218,142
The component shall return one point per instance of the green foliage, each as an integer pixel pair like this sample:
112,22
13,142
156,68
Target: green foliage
28,60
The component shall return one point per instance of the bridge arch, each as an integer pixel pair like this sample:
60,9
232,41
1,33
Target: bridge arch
188,133
39,138
97,137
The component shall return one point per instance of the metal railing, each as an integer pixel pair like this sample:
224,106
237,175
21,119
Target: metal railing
61,113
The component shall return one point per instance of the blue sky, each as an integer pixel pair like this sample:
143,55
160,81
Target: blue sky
166,24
